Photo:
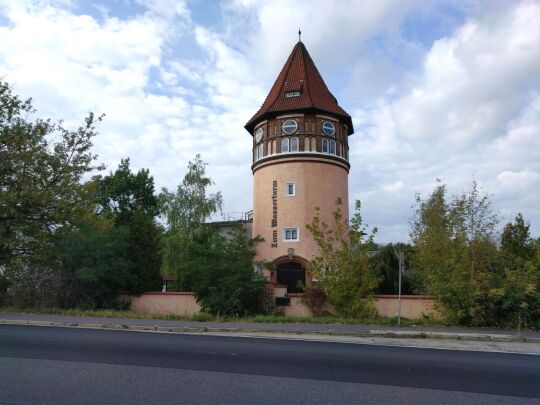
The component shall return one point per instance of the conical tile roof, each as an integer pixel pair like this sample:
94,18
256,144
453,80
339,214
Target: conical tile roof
299,86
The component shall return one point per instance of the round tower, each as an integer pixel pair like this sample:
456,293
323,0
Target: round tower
300,162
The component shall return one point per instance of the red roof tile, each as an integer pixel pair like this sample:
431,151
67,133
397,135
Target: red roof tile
299,74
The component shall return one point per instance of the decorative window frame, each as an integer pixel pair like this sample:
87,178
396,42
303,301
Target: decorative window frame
332,147
294,144
259,151
284,147
287,184
288,124
291,230
258,131
333,128
325,146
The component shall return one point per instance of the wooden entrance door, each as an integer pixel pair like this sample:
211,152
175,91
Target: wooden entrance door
291,274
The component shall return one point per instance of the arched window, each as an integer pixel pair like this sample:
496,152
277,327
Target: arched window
314,144
307,144
284,145
294,144
259,151
325,146
332,147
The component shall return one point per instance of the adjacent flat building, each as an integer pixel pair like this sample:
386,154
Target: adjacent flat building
300,162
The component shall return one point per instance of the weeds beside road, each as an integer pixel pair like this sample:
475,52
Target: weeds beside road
204,317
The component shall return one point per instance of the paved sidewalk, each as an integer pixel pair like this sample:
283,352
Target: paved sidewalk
410,332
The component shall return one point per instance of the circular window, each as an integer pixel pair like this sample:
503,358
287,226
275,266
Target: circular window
328,128
258,135
289,127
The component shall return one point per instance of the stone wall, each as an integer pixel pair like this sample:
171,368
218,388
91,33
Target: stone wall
184,303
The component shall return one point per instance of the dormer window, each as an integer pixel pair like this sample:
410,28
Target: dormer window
290,94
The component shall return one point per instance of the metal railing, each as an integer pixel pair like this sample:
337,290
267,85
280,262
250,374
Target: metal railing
237,216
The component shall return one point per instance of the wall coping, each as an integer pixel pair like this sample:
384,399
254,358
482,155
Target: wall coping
384,296
164,293
379,296
408,297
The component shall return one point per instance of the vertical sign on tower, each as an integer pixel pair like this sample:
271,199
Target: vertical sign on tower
274,214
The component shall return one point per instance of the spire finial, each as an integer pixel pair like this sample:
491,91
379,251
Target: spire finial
299,35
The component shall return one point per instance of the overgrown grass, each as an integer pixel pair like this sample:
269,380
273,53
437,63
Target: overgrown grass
110,313
378,320
204,317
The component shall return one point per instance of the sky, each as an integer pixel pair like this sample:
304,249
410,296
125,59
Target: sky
437,90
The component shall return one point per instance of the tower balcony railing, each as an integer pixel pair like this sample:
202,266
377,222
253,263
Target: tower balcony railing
237,216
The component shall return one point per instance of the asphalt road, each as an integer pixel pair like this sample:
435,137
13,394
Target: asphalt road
62,365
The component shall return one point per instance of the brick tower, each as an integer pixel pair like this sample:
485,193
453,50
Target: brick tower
300,161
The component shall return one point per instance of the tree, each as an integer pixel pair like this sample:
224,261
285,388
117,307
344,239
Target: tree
516,288
122,193
385,265
186,212
128,200
217,266
342,265
40,180
41,165
455,252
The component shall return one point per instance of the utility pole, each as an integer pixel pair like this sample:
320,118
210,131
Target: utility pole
401,265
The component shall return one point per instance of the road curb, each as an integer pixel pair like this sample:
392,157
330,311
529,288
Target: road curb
330,332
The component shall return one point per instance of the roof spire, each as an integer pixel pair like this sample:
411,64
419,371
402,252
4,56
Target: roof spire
299,35
299,87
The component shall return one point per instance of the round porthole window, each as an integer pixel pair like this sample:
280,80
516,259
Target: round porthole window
289,127
259,135
328,128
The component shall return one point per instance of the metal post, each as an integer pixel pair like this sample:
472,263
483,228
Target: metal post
399,288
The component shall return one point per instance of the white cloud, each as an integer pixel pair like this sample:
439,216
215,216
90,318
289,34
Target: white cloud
467,104
474,111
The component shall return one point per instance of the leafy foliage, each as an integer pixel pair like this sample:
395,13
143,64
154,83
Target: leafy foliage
186,212
217,266
455,252
94,268
342,266
128,200
515,291
223,276
385,264
41,167
39,179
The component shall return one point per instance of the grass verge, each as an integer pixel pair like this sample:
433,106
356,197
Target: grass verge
204,317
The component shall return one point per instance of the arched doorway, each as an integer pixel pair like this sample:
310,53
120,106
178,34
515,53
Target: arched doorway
291,274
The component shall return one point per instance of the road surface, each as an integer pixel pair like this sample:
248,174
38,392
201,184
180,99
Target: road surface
63,365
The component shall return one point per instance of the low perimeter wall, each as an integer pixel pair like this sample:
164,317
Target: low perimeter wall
412,306
178,303
184,303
